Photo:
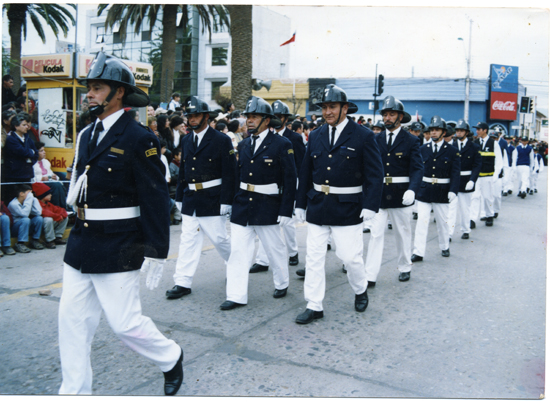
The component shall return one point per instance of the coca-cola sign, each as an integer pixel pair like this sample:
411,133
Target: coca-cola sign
503,106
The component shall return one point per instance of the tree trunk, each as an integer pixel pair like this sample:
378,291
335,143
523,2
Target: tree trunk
241,54
16,17
168,51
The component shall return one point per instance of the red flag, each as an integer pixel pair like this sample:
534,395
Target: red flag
290,40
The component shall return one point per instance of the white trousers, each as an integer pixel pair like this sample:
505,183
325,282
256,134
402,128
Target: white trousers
453,207
523,172
193,229
497,194
289,233
349,248
464,201
242,254
487,197
441,212
532,179
117,294
402,228
475,205
509,179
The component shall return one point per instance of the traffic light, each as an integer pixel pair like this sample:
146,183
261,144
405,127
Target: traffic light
531,105
380,84
524,106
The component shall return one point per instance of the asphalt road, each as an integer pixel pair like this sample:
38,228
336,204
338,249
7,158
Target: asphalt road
468,326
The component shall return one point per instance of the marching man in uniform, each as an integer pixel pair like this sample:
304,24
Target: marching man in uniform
282,112
205,191
403,169
439,187
121,196
523,160
267,188
340,185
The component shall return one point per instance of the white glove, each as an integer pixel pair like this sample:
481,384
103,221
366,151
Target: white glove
367,215
408,197
178,205
452,196
225,209
153,267
283,220
470,185
300,214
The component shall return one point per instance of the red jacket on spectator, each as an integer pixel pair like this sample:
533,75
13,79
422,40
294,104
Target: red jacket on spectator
49,210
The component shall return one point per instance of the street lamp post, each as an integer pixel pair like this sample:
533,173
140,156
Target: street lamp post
467,90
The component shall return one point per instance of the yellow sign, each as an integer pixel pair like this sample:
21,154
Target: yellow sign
52,65
143,72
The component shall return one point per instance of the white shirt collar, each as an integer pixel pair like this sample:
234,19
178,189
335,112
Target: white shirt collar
108,122
339,129
200,135
394,132
260,139
281,132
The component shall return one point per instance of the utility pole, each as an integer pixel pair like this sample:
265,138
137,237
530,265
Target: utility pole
467,97
374,94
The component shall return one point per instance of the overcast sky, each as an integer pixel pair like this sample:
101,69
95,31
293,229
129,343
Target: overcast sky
349,41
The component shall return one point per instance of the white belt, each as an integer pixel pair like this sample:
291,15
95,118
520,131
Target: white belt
436,180
206,184
107,214
337,190
465,172
391,180
268,189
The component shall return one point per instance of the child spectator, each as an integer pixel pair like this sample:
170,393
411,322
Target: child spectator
5,237
43,173
55,218
27,219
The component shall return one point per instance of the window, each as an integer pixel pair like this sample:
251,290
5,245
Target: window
219,56
216,88
145,35
100,34
116,38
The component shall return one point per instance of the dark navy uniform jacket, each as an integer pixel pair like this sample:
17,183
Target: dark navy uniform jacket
213,159
401,160
273,162
444,165
354,161
297,145
470,160
124,170
510,149
19,157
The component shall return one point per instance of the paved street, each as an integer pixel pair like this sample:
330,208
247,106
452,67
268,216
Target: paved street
468,326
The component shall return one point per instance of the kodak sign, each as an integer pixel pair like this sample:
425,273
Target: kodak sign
143,72
53,65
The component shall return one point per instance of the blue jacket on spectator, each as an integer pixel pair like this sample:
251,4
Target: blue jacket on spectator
19,157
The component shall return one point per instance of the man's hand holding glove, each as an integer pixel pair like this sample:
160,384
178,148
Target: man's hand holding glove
153,267
408,197
283,220
300,215
225,209
452,196
469,185
178,205
367,215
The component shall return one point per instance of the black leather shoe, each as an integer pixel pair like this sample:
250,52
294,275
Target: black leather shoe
510,191
389,226
483,219
174,378
489,222
504,194
344,270
301,272
472,225
258,268
536,191
60,241
177,291
496,215
465,236
416,258
531,192
229,305
279,293
361,301
308,316
415,216
404,276
450,239
328,247
371,284
527,189
367,230
293,260
523,195
446,253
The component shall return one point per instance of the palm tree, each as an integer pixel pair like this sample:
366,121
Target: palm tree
57,18
213,17
241,54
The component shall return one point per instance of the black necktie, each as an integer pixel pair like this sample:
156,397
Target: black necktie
389,140
196,142
93,142
332,136
254,138
461,145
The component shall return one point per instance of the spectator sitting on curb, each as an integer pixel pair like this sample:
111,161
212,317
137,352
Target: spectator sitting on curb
26,212
55,218
5,237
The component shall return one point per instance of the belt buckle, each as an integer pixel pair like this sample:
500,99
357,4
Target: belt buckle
81,213
198,186
389,180
249,187
434,180
325,189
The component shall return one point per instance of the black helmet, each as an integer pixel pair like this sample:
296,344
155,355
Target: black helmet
450,131
258,106
333,93
390,103
111,69
416,126
280,108
462,125
379,124
195,105
438,122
